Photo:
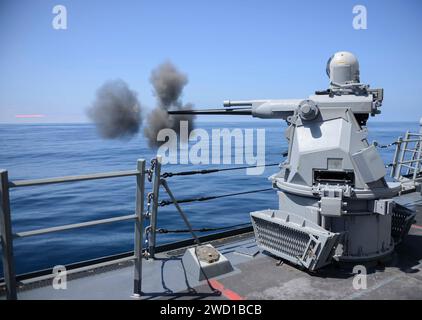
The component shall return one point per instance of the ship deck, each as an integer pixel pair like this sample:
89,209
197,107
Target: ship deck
256,275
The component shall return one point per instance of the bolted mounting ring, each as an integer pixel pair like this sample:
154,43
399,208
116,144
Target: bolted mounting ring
308,110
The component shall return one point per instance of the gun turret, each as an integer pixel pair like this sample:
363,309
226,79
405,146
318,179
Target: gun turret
331,187
359,102
345,93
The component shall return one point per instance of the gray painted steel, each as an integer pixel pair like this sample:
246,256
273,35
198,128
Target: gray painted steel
6,225
139,227
6,237
155,191
333,178
37,232
294,238
202,270
94,176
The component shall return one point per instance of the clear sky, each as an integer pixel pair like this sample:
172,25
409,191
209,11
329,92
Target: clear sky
232,49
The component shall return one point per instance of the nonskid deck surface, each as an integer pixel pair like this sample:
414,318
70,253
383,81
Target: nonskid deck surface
255,277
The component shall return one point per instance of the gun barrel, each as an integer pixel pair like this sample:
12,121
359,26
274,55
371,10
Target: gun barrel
242,103
234,111
238,103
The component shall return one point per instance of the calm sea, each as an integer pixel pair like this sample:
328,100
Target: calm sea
41,151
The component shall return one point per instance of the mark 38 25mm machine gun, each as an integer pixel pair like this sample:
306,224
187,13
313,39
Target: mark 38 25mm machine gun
334,202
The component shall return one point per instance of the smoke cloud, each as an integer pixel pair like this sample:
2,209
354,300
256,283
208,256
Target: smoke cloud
116,111
158,119
168,83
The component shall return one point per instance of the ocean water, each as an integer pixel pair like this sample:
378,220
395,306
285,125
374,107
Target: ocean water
41,151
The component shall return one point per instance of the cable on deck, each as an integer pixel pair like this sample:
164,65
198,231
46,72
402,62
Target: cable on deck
164,203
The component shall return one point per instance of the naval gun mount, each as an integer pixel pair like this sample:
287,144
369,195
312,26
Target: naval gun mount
334,202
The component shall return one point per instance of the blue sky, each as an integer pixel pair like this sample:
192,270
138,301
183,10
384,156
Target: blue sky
234,49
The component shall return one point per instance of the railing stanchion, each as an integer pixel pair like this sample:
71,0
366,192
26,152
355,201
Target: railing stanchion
402,155
396,157
154,209
6,238
418,153
139,226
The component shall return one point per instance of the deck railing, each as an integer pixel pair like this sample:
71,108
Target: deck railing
407,161
153,175
7,235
